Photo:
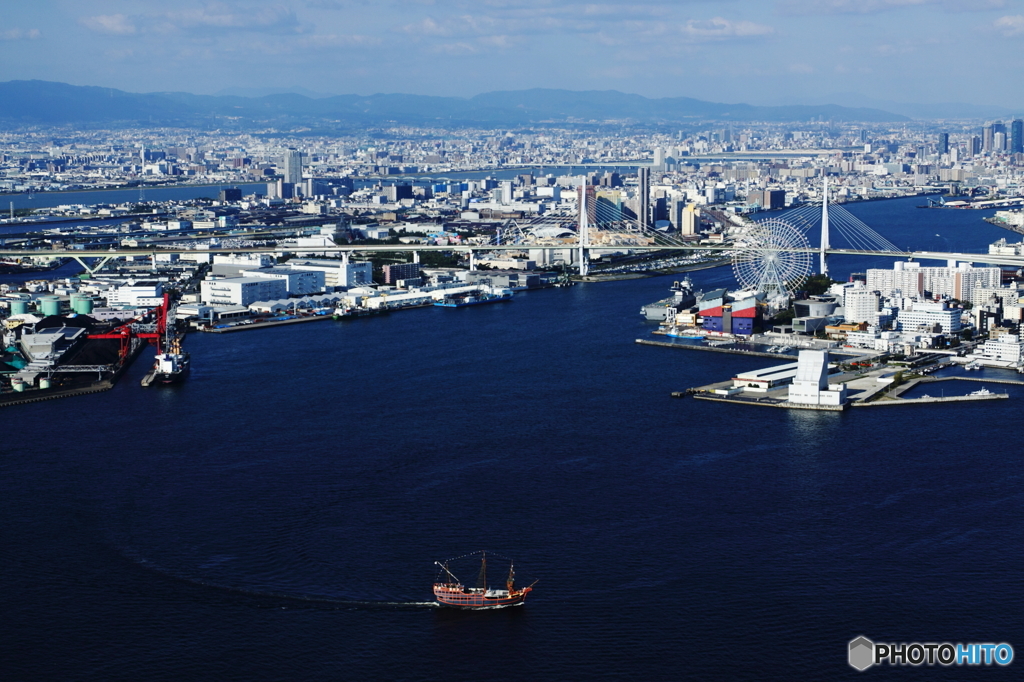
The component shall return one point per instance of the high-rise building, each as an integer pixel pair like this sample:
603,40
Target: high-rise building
943,144
1017,136
956,280
987,138
229,194
659,158
861,305
768,199
644,192
660,207
395,272
689,220
396,193
999,142
293,167
607,205
975,145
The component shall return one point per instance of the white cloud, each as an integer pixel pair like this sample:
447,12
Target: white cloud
19,34
1012,25
875,6
111,24
334,40
222,15
719,28
429,27
500,41
211,16
456,49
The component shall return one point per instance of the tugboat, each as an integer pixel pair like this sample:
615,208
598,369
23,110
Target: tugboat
449,591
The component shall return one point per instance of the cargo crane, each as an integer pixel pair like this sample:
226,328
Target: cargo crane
137,329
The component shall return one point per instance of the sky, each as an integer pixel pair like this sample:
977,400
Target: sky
754,51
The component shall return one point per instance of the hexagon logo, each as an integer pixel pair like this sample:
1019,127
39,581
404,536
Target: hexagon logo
862,653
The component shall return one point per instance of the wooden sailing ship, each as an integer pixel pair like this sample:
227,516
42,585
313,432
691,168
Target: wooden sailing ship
449,590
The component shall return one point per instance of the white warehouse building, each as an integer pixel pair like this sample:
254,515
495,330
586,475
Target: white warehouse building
135,295
234,263
337,273
298,282
242,291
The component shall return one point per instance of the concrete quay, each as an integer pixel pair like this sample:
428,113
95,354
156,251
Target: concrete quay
767,402
929,399
36,396
714,349
264,325
866,392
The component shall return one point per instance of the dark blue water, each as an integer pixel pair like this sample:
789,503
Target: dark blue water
276,517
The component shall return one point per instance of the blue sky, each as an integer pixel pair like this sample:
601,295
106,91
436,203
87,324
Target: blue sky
757,51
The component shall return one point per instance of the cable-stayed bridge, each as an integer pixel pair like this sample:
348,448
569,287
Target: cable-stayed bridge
777,244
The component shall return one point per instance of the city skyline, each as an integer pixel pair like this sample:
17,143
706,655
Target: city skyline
866,53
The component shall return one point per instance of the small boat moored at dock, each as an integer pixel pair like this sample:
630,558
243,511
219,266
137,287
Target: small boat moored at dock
474,298
682,297
346,312
449,590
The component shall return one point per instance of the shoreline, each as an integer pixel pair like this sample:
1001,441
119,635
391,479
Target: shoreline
998,223
617,277
263,325
122,188
40,394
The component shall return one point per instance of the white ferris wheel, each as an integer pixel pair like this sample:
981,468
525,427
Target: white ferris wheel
772,256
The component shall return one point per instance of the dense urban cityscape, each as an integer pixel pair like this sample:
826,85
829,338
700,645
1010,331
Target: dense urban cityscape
308,204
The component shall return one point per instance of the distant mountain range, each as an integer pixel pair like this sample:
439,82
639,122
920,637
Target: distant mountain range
45,102
928,111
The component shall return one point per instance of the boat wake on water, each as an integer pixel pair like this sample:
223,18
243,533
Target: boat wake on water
319,601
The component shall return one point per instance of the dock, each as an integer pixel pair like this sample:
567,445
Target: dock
868,396
713,349
929,400
768,402
263,325
39,394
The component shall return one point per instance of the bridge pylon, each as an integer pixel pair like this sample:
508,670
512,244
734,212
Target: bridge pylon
584,228
824,226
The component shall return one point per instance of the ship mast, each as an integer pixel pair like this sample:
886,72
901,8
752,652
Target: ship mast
510,584
444,567
481,578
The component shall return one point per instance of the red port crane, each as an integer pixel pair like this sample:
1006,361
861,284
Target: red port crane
126,332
